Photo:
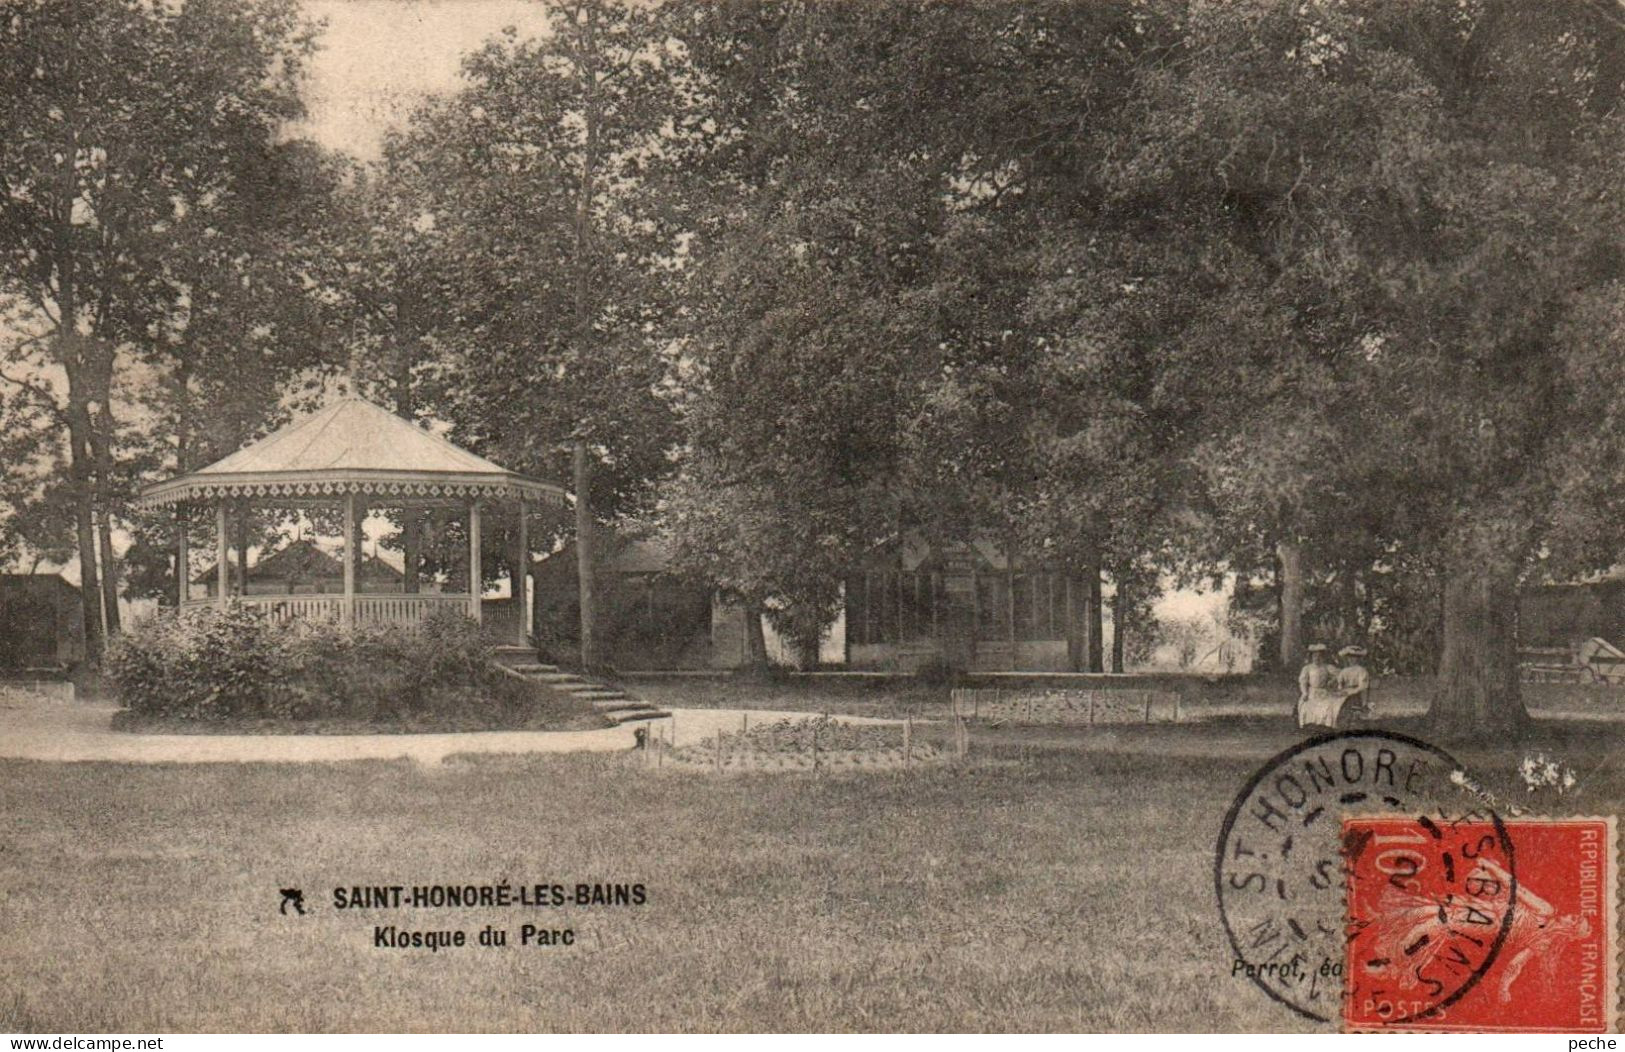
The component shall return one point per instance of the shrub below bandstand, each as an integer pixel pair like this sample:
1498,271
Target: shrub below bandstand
210,665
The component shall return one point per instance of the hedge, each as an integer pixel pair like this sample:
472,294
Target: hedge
207,664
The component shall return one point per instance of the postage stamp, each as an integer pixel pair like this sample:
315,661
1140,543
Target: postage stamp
1280,866
1445,934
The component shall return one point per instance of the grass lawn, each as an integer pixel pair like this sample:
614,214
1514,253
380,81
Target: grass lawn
1059,880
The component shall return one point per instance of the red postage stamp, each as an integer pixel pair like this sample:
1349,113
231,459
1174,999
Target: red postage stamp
1471,924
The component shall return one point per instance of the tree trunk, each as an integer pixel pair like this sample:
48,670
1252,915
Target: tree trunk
1119,612
101,445
242,549
358,545
1290,554
755,640
182,561
1477,695
1092,612
1075,597
807,650
109,574
587,590
1348,612
587,71
1010,605
68,352
90,591
183,455
516,574
411,531
411,549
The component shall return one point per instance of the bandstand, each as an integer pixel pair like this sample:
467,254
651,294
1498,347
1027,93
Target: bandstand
354,457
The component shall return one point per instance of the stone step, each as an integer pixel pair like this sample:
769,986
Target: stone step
554,679
612,702
623,705
634,716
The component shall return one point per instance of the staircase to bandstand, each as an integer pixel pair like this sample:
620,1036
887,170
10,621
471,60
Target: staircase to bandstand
615,704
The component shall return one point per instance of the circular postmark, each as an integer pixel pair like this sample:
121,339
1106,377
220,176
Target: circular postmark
1353,882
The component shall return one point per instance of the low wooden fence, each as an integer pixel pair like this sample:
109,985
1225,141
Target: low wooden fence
1066,705
798,745
52,689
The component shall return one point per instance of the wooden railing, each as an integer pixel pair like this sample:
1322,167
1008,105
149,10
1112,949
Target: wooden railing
405,609
370,609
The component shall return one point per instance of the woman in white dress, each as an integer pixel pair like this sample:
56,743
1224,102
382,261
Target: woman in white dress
1354,684
1318,695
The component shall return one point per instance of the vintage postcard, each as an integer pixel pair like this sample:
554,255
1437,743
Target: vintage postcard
811,516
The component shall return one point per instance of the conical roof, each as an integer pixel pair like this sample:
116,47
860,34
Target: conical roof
350,446
351,434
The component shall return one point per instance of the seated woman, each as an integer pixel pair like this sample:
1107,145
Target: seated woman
1318,696
1354,683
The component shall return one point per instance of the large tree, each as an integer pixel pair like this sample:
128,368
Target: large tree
810,224
36,503
1314,275
549,356
111,133
398,280
896,218
250,334
1425,193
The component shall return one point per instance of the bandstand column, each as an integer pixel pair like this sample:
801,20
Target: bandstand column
521,576
222,570
183,577
349,558
244,510
474,560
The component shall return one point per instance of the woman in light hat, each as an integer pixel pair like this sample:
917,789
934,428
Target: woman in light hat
1318,696
1354,683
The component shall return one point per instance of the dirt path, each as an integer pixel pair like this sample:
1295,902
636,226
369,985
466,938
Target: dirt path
37,728
45,729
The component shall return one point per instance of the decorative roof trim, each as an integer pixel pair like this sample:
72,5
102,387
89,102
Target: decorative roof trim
305,486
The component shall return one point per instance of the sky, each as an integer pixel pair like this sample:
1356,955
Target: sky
378,58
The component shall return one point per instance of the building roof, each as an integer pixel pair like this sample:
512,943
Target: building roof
23,580
304,561
350,446
646,555
617,554
911,553
652,555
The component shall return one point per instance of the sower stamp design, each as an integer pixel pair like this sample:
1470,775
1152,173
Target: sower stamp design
1432,900
1423,896
1279,872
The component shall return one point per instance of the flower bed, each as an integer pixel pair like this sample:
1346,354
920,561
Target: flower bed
816,744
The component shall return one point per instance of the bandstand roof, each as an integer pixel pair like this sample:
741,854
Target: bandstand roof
350,446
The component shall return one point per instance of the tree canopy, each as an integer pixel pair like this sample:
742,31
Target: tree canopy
127,166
